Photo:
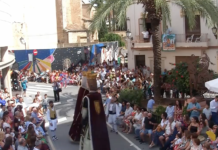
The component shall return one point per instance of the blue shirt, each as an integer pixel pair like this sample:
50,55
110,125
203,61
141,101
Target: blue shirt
23,84
194,112
108,100
34,115
150,104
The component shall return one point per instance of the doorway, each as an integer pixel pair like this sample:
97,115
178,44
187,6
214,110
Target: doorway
139,60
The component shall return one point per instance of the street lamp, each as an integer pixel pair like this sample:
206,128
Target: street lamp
23,41
214,30
128,34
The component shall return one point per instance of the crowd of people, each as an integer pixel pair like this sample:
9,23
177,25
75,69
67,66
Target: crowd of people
22,127
192,131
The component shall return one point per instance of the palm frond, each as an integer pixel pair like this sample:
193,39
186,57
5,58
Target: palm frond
105,10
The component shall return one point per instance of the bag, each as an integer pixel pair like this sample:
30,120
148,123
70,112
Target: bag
59,90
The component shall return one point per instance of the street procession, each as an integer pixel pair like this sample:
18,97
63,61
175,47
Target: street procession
108,75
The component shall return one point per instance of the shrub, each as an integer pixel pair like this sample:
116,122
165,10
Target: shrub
110,37
132,96
159,110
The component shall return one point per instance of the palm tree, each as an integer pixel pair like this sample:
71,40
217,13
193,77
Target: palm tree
158,10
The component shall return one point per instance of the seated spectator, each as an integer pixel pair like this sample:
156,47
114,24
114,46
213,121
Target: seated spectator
168,130
22,144
194,108
185,121
135,119
21,128
170,110
39,119
127,120
177,141
159,131
126,115
194,126
185,140
140,125
193,136
178,111
204,125
169,139
149,124
196,145
36,128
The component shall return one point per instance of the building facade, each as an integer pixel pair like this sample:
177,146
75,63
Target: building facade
6,57
178,46
41,24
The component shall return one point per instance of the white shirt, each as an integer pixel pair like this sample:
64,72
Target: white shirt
111,107
138,116
145,34
178,141
167,130
162,123
99,83
5,125
128,111
143,120
214,106
48,114
36,148
170,111
21,129
24,106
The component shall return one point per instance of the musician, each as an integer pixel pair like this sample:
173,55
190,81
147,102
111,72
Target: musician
94,134
75,130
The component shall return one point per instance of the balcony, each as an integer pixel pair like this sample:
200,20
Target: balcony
192,40
183,41
140,43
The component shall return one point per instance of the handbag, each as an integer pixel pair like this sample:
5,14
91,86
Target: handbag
59,90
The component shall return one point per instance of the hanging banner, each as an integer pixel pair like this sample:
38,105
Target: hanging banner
168,42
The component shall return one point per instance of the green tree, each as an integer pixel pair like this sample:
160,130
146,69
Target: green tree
112,37
158,10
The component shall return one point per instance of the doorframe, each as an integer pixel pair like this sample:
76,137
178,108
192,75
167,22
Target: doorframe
139,55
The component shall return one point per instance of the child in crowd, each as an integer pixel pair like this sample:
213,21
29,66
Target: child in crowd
193,136
185,140
177,141
44,103
21,128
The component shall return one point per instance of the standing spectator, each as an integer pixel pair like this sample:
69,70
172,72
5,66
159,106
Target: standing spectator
24,86
16,121
38,145
56,86
207,112
170,110
2,110
39,120
2,139
24,106
108,95
18,136
150,104
22,144
45,103
8,144
214,110
194,108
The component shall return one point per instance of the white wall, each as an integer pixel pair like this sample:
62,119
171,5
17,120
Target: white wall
5,23
134,13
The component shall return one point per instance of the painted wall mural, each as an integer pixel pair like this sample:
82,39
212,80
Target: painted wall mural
62,58
41,62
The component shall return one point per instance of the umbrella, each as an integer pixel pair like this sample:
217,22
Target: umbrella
212,85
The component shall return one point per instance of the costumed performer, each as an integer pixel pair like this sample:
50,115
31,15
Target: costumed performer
94,129
112,111
76,127
52,119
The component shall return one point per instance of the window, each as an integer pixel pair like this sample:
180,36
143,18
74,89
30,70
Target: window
196,30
